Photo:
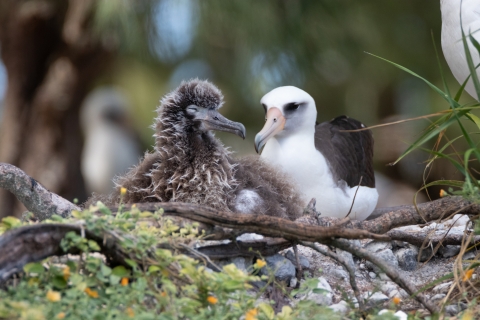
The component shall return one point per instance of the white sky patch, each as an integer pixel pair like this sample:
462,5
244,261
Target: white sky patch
274,70
175,24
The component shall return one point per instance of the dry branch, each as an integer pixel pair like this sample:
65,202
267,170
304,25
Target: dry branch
420,238
32,194
340,259
266,225
408,215
389,270
36,242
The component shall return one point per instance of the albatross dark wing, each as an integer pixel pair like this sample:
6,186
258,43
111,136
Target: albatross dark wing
349,154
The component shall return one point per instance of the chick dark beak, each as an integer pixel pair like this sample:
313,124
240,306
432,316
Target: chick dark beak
215,121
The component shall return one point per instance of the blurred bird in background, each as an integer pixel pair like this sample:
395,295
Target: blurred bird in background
111,145
452,44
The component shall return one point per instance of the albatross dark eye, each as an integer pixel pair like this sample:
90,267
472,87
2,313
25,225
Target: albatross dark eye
291,106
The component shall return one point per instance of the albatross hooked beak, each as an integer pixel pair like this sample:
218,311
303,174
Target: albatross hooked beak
213,120
275,122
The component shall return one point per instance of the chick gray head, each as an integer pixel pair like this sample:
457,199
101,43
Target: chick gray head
193,107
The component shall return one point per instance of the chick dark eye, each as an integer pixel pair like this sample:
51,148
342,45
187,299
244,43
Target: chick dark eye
192,108
215,118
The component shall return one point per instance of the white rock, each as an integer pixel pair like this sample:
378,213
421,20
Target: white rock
249,237
293,282
438,296
442,288
384,277
341,307
372,275
393,293
388,287
452,310
377,297
341,274
375,246
324,298
399,314
387,256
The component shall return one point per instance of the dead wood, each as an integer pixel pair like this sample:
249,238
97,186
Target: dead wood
36,242
420,239
266,225
32,194
340,259
408,215
395,275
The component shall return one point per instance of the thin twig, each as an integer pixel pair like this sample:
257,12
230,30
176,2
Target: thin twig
354,196
390,271
345,264
297,260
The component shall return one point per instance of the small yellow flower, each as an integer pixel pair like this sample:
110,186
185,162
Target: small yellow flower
212,299
123,191
124,282
53,296
66,273
443,193
163,294
134,205
396,300
91,293
251,314
468,315
468,274
130,312
260,264
61,315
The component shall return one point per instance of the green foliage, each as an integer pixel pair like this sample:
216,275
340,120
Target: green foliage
161,283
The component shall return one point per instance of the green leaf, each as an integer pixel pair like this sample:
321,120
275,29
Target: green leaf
152,269
106,271
267,310
120,271
131,263
114,279
93,245
34,267
59,282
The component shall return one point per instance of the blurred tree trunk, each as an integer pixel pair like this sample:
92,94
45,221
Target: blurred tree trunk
52,58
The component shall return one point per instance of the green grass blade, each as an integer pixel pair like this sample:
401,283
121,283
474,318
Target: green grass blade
455,163
432,131
471,66
431,85
462,88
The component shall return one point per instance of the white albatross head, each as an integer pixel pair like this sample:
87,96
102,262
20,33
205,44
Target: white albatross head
288,111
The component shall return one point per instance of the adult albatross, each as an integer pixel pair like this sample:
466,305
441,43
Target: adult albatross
452,44
332,166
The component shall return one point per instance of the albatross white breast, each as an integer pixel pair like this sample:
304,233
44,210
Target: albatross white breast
325,163
452,44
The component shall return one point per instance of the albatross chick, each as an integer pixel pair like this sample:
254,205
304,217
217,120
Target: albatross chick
190,165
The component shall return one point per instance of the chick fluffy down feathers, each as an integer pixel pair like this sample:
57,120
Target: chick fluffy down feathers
188,165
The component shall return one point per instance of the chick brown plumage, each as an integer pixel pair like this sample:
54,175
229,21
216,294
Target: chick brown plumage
190,165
